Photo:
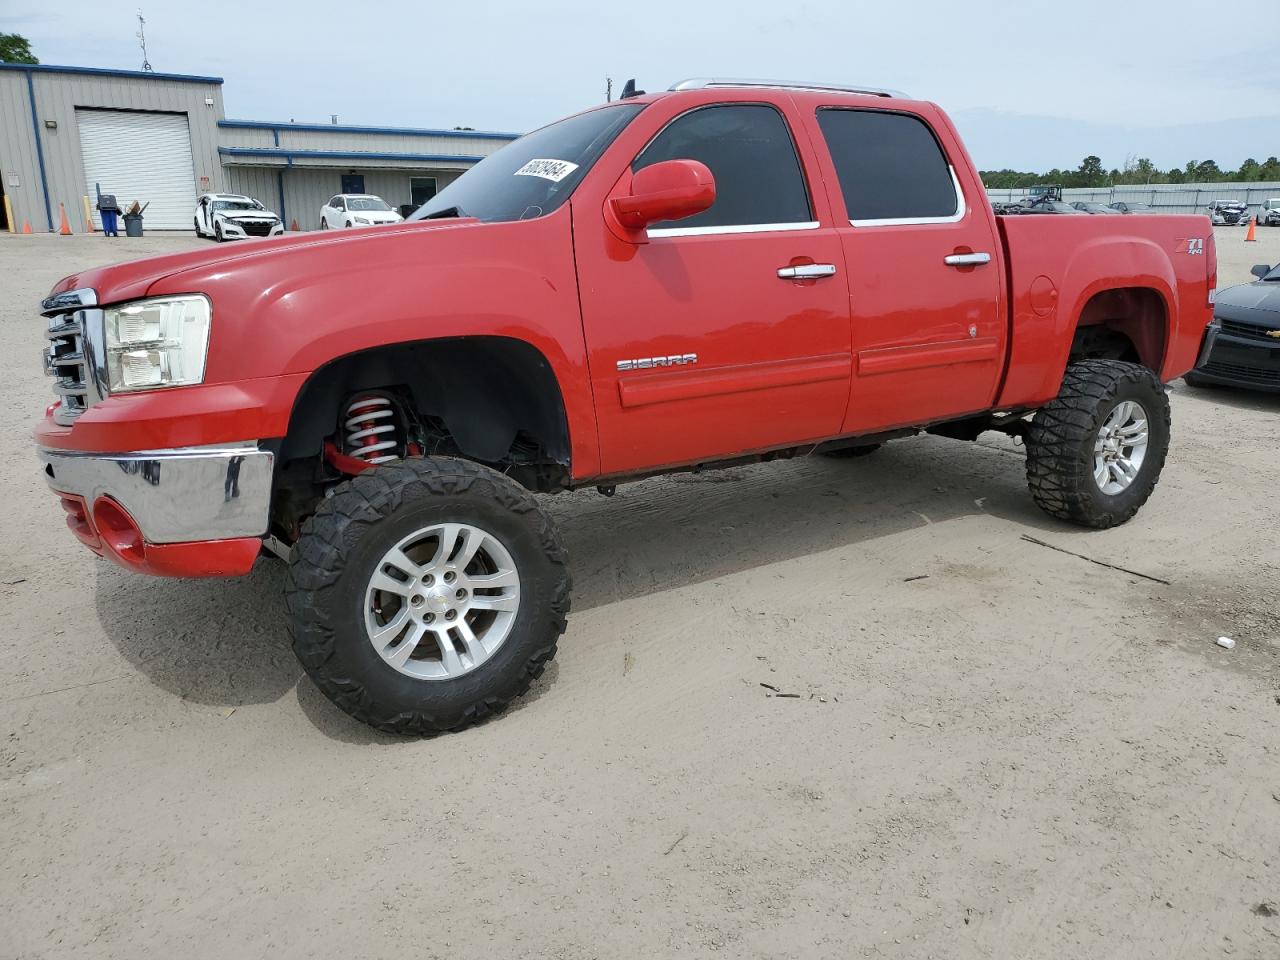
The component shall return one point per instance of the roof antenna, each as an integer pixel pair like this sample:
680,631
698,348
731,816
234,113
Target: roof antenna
142,42
630,90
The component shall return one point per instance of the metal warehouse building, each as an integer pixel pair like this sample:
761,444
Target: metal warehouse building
69,132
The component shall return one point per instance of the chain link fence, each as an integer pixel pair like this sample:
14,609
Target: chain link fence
1164,197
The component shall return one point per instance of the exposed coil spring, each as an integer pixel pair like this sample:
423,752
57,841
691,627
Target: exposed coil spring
372,431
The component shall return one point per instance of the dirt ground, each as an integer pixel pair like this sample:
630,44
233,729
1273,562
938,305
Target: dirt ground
998,750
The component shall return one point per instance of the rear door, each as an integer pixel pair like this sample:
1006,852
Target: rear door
922,264
703,343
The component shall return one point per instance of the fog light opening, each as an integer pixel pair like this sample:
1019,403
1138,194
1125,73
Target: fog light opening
119,531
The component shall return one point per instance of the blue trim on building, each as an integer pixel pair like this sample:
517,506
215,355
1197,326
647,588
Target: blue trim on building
109,72
289,155
392,131
35,132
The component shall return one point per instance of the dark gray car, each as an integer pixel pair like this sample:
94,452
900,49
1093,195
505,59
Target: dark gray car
1242,344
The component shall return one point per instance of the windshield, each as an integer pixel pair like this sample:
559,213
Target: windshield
224,206
532,176
366,203
1274,274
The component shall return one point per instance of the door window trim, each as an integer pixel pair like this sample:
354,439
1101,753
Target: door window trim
660,232
727,229
961,210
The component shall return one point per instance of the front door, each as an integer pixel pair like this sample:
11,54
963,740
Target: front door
352,183
698,347
923,270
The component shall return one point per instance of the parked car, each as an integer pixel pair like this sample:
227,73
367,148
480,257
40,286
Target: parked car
1242,345
1051,206
725,272
1227,213
1269,214
230,216
1088,206
1130,206
356,210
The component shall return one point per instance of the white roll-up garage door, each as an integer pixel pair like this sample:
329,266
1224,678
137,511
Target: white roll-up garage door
140,156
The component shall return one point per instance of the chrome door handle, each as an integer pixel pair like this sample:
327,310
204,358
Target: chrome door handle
807,271
966,259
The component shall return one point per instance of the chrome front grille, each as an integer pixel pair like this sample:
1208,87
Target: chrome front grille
68,357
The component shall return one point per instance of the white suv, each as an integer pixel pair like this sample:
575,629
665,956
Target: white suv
1269,214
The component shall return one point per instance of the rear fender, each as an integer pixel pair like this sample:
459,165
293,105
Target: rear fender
1046,310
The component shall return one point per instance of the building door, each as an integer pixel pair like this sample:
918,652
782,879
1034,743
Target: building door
353,183
140,156
421,189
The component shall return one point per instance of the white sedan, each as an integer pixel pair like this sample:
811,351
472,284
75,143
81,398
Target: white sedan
230,216
356,210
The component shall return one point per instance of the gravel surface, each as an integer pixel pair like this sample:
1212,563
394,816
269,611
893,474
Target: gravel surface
997,749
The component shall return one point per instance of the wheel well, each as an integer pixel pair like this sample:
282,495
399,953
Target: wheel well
1127,323
490,399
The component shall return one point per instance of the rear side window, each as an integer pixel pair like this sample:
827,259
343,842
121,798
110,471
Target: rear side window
890,167
749,151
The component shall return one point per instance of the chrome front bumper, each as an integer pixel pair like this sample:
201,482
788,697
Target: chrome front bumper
174,496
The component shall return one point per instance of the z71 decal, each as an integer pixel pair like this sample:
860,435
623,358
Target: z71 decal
1190,245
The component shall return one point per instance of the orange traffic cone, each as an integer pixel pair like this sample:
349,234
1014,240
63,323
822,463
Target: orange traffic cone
65,229
1253,229
294,225
26,226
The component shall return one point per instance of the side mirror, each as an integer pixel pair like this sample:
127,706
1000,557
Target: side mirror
1260,270
671,190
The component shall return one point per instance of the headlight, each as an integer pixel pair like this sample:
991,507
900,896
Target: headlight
362,220
160,342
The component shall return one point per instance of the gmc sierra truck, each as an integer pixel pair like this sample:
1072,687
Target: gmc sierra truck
725,272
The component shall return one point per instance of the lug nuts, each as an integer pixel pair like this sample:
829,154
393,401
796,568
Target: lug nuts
450,577
451,615
429,618
428,580
417,600
461,594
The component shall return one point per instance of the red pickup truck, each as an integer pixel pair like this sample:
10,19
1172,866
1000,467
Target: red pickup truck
724,272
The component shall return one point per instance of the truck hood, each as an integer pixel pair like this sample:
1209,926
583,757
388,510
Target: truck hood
1258,302
120,282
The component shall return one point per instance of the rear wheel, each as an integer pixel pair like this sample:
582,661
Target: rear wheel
427,594
1095,452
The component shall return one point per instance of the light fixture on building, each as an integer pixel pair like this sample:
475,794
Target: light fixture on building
208,101
51,124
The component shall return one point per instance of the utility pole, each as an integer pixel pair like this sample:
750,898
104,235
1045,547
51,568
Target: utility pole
142,42
608,89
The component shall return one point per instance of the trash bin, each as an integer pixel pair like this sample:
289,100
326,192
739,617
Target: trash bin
133,224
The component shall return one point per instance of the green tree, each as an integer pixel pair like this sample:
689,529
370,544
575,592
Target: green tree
15,49
1249,170
1089,173
1270,169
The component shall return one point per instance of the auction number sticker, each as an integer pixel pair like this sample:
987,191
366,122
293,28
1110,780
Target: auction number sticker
553,170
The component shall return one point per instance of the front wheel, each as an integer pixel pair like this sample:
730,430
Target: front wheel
427,594
1095,452
217,233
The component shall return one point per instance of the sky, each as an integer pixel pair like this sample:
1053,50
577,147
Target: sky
1028,87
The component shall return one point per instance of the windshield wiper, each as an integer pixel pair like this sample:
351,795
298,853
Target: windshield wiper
446,213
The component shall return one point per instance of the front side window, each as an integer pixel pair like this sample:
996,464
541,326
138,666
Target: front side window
748,149
890,166
534,175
